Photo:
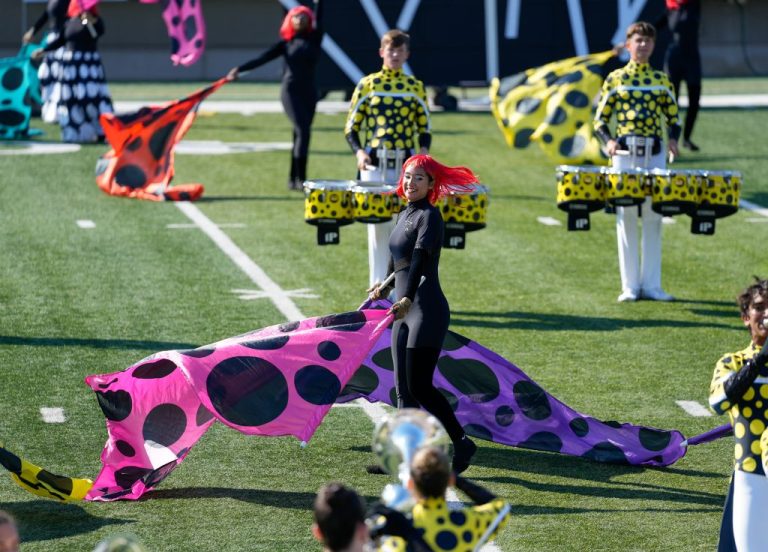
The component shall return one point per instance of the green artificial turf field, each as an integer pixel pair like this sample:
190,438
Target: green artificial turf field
79,301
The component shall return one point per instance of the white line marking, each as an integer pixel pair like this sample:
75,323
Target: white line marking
248,294
754,207
188,226
278,296
52,415
549,221
86,224
757,220
668,220
694,408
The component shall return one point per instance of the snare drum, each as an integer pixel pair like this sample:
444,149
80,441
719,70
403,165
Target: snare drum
719,192
674,192
328,202
625,187
467,208
580,188
374,202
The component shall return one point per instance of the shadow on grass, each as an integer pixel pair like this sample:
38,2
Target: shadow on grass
93,343
295,500
558,322
42,520
583,470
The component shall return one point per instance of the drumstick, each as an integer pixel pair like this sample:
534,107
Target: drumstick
621,152
671,157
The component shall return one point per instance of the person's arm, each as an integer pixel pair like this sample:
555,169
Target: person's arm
672,117
358,108
730,384
603,117
385,521
35,28
273,52
318,10
423,122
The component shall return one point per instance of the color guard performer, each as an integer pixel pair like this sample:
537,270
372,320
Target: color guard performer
640,97
392,106
740,388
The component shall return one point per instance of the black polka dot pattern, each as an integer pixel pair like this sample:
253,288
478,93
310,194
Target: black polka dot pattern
495,400
276,381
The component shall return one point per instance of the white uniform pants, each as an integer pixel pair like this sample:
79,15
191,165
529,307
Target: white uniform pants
750,503
378,234
637,274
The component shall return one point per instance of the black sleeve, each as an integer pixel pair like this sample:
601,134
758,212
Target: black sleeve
354,141
737,385
425,140
318,9
603,133
42,20
478,494
58,43
415,272
274,52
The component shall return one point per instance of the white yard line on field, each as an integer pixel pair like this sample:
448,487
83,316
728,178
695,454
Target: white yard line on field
276,294
86,224
694,408
52,415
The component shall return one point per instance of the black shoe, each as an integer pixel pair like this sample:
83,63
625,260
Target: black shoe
463,451
375,469
690,145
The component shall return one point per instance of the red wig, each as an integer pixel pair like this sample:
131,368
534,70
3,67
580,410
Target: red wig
286,29
446,179
76,7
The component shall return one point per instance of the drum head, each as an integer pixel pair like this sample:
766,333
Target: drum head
373,188
335,185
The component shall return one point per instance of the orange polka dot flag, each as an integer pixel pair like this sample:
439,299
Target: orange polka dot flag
140,163
552,106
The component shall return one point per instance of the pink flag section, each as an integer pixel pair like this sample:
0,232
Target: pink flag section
186,27
280,380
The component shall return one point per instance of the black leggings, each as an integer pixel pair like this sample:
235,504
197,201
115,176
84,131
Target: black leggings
299,105
415,388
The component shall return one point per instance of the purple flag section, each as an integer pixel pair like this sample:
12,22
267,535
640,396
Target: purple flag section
494,400
280,380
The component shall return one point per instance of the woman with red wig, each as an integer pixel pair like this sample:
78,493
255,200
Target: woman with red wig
301,34
421,312
79,89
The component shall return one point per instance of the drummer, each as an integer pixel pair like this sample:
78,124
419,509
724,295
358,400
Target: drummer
392,106
640,97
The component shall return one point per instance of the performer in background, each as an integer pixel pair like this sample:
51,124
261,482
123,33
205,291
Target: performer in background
422,311
302,35
81,85
443,528
392,106
640,97
740,388
55,15
682,61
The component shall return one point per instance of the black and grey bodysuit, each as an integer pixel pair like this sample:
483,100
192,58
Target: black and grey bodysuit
415,247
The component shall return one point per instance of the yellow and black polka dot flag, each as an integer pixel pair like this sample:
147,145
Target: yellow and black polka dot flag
41,482
552,106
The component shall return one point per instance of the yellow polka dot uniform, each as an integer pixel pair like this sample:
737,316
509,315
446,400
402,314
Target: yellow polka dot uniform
640,97
454,530
392,106
748,414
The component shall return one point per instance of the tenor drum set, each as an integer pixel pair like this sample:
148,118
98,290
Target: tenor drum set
703,195
331,204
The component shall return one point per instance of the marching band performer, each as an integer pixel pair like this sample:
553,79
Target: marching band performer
422,313
740,388
392,106
640,97
302,36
